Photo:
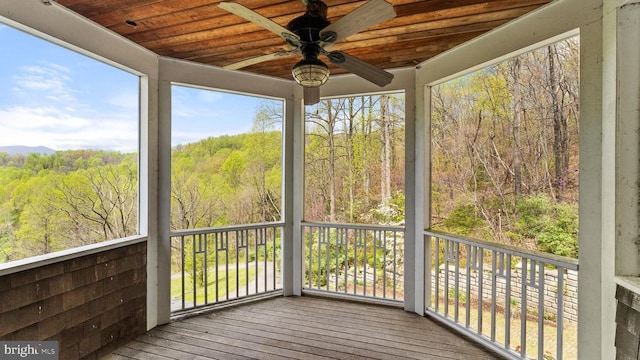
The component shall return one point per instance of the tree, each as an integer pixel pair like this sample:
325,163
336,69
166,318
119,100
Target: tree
492,131
560,136
322,124
101,202
385,156
41,225
351,144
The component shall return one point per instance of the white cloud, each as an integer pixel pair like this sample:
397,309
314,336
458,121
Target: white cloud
47,113
25,118
48,81
61,131
128,101
64,100
209,96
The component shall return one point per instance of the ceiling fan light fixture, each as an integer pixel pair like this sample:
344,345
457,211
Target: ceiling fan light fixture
310,72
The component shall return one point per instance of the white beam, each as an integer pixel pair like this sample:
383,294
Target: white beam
350,84
195,74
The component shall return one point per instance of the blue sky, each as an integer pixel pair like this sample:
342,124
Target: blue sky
54,97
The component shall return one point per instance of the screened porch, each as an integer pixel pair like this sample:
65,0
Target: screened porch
286,288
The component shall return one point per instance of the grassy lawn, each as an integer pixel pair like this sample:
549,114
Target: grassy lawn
569,341
176,285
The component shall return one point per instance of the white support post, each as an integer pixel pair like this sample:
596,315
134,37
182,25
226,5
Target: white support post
415,161
288,197
628,139
163,174
601,199
298,189
293,179
423,132
148,188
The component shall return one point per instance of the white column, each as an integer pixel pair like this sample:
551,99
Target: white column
610,103
163,196
298,188
423,135
293,196
593,237
147,188
628,139
415,209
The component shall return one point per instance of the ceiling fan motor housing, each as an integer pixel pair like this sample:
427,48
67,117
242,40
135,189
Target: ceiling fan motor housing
310,71
308,27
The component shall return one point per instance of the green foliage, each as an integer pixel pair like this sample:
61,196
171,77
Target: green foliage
332,259
553,226
232,168
504,152
227,180
354,160
66,199
463,219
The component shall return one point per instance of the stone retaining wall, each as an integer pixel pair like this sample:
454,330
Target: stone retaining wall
550,288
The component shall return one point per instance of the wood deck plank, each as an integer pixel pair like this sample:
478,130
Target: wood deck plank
241,347
347,349
373,331
306,327
134,353
398,345
364,346
205,346
265,338
188,348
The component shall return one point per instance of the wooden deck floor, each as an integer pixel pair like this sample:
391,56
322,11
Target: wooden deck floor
303,328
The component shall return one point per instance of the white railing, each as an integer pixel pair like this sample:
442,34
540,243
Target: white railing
354,260
214,265
521,304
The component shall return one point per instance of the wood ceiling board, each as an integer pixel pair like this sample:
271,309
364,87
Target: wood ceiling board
198,30
367,39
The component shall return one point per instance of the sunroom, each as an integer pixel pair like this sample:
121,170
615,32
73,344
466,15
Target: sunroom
95,299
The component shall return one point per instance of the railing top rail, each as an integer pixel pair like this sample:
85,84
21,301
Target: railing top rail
566,262
354,226
209,230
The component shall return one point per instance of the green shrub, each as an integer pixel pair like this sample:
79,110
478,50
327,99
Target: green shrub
553,226
463,219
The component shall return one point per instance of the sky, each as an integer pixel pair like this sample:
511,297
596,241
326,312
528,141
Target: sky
51,96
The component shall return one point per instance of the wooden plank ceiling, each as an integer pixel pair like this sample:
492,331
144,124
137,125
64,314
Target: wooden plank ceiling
198,30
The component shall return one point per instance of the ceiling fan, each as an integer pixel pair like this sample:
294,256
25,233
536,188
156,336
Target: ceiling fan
311,35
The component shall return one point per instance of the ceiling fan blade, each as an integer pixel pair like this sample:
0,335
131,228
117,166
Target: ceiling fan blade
363,69
311,95
258,19
371,13
260,59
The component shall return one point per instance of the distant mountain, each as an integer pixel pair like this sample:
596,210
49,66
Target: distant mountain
25,150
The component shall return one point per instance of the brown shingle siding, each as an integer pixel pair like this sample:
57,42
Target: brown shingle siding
628,324
89,304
